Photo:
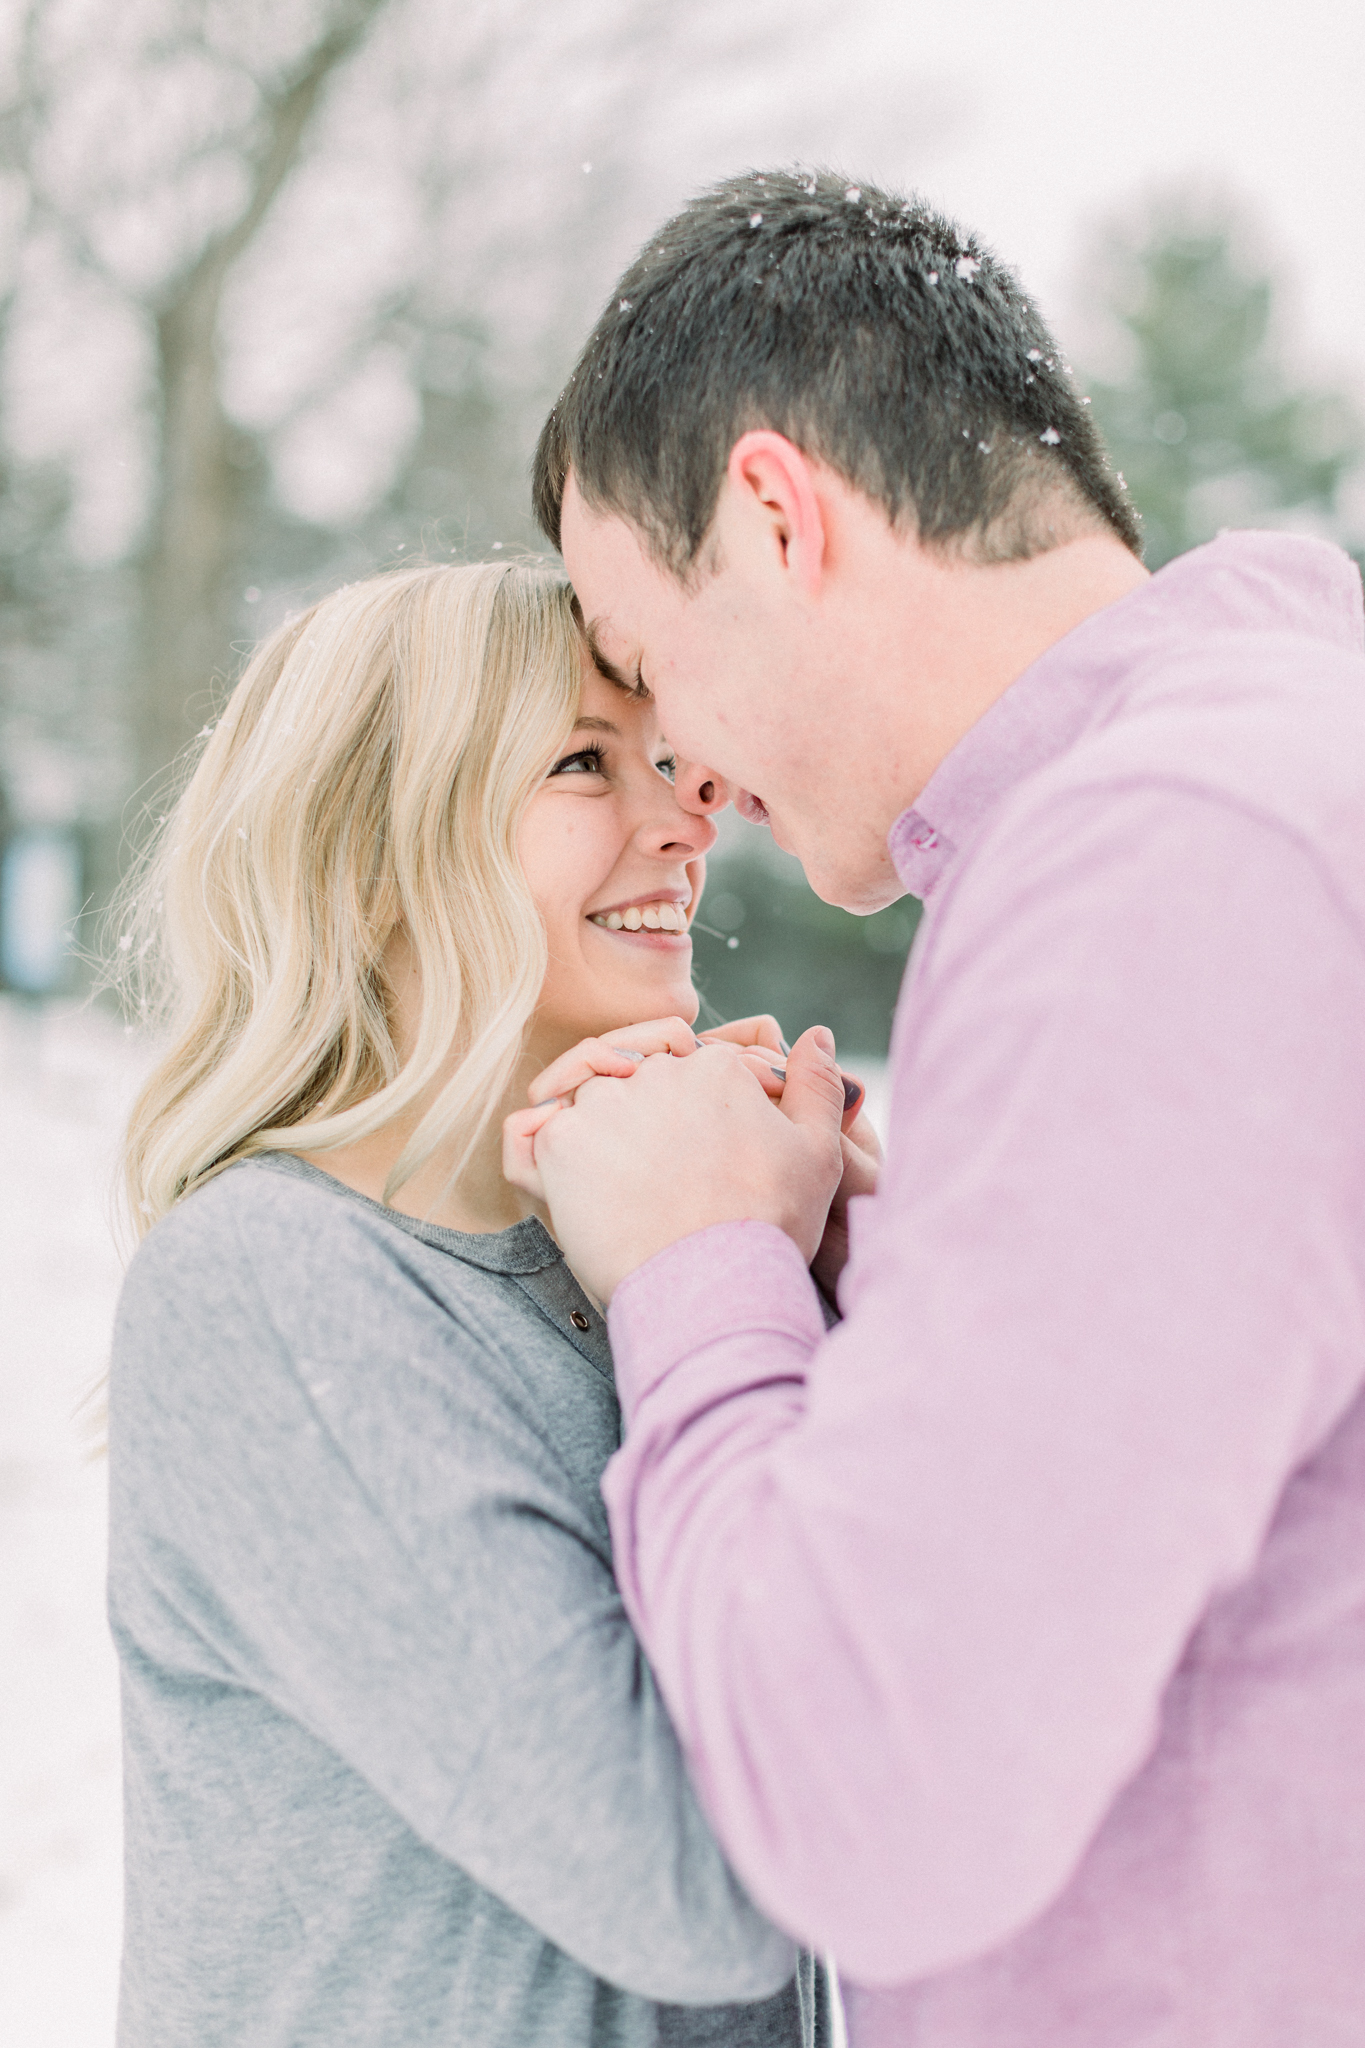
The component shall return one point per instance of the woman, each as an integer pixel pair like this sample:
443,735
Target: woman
396,1770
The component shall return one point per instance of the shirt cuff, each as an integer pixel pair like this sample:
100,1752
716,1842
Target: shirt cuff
730,1280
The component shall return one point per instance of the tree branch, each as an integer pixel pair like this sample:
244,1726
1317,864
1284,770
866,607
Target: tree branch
287,114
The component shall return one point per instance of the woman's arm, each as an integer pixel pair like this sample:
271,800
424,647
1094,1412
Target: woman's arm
351,1486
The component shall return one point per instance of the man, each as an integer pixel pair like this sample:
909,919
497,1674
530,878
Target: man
1015,1628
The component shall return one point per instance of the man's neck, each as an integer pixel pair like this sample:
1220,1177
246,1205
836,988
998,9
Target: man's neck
979,627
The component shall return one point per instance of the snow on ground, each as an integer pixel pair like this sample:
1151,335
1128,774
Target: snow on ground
67,1078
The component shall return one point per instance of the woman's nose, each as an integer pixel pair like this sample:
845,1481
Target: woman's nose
699,789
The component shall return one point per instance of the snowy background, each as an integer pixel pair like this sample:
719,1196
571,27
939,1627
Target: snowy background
65,1081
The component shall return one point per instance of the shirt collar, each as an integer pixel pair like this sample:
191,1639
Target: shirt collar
525,1247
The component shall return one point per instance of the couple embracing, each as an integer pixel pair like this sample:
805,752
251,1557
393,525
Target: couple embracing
589,1540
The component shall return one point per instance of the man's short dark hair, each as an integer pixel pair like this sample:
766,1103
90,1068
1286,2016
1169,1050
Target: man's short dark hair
868,329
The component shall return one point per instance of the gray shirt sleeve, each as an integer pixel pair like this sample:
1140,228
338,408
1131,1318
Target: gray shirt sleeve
356,1491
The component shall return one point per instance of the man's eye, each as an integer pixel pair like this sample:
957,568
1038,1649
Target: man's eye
587,761
668,767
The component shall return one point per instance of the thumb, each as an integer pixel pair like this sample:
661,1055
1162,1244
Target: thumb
519,1145
814,1092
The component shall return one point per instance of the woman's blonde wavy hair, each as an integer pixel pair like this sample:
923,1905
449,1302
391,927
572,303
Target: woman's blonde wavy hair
372,765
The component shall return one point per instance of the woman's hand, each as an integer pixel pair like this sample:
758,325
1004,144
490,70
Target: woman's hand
617,1054
862,1152
764,1033
759,1042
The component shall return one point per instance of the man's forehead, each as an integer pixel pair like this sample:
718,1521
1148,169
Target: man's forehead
604,552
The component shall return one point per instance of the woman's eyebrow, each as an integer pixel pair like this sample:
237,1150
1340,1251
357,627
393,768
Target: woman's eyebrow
596,725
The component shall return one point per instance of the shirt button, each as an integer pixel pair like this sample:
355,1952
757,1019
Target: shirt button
578,1319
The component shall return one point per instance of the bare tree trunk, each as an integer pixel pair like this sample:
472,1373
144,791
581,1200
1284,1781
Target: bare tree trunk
189,563
186,569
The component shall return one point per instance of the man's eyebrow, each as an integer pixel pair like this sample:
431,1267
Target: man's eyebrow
634,686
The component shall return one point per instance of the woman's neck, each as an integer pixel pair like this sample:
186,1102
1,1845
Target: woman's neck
479,1201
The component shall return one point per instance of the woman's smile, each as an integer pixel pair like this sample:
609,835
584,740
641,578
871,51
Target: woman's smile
652,920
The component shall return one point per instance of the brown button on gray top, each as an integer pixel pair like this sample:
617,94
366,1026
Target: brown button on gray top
578,1319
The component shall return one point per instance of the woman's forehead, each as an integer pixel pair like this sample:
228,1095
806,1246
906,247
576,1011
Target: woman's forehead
634,718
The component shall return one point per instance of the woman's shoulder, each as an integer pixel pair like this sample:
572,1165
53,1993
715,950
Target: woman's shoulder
263,1245
253,1213
270,1292
274,1252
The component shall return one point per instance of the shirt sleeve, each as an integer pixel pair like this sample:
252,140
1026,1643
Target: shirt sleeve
353,1499
914,1588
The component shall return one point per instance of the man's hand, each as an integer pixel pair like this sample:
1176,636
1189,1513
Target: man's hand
676,1144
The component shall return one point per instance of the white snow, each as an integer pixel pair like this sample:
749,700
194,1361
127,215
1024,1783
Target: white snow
66,1079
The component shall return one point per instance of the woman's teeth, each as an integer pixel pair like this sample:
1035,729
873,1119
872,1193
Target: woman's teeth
650,917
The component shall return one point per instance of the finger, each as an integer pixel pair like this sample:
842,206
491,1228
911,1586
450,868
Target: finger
855,1095
768,1065
769,1071
656,1034
617,1054
572,1069
518,1146
814,1093
749,1031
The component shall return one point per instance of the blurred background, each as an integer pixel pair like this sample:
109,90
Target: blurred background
285,289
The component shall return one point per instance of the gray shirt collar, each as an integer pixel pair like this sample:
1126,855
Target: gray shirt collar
525,1252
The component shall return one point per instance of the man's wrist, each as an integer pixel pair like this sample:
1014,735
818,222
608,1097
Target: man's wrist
714,1285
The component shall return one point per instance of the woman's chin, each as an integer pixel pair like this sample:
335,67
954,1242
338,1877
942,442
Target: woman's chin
666,999
640,999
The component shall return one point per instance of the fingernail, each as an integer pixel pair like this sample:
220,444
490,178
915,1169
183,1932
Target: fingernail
779,1073
824,1038
854,1091
627,1054
784,1045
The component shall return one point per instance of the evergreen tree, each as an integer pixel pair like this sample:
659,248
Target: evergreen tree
1208,429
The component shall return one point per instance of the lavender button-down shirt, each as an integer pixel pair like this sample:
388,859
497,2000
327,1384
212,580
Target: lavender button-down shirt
1015,1628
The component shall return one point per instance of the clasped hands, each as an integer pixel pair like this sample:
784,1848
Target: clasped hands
643,1136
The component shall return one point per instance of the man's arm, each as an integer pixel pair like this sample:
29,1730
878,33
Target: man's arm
914,1589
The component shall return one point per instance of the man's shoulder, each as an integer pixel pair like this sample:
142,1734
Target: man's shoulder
1269,728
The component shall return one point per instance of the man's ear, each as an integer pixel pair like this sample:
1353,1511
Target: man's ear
770,477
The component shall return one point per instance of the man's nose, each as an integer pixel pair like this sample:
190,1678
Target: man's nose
699,789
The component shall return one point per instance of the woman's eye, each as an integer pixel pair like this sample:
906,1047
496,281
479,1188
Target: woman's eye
588,761
668,767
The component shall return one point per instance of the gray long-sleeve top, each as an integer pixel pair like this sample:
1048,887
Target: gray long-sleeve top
396,1769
